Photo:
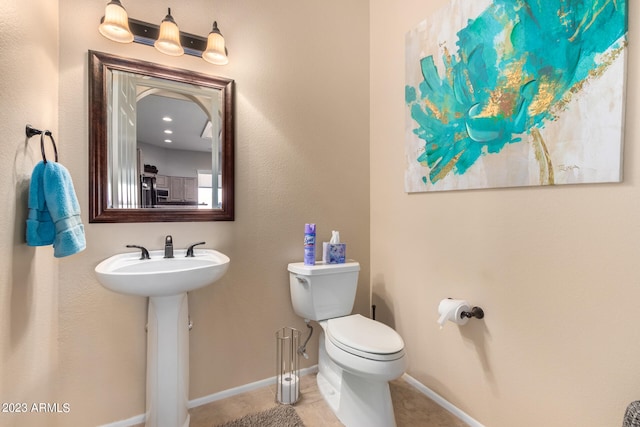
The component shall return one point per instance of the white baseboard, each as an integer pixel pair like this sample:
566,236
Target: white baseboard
139,419
244,388
460,414
457,412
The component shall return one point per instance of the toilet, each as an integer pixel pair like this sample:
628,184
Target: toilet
357,356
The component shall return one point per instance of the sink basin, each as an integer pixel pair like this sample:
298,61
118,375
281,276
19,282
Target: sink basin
126,273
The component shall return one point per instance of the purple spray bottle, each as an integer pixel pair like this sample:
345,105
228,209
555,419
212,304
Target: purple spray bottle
309,244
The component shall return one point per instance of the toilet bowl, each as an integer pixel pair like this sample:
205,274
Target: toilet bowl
354,372
358,356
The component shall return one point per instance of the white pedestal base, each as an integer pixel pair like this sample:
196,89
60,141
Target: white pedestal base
168,362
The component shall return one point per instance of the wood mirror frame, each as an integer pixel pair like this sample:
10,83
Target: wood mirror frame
100,64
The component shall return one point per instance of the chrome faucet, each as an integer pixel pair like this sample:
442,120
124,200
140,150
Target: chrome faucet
168,247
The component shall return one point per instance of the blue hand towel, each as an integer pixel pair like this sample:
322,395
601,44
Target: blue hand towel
40,228
64,210
54,211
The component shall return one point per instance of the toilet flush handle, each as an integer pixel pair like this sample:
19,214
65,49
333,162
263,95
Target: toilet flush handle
303,281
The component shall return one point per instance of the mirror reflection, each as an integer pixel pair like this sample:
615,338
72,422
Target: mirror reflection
167,131
163,143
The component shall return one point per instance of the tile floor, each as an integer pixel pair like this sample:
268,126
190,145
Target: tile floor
412,408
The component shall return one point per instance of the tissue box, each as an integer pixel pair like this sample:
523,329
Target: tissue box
334,253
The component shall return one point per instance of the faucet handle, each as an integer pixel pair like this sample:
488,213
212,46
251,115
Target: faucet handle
190,248
145,252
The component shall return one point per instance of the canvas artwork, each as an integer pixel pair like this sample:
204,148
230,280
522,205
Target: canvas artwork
510,93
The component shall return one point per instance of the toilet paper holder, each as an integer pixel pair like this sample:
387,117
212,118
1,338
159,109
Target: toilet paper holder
476,312
457,311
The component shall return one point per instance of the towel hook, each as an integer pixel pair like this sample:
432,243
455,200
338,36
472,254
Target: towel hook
31,131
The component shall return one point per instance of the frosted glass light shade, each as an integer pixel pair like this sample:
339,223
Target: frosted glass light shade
216,52
169,38
115,24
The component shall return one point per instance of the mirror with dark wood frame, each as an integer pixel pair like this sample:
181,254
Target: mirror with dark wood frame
161,143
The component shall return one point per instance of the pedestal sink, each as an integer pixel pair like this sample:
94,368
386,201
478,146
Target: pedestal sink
166,282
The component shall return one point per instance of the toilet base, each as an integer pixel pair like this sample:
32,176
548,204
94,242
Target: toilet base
359,403
356,400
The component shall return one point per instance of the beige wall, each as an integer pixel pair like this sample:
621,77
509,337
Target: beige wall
302,143
556,269
28,276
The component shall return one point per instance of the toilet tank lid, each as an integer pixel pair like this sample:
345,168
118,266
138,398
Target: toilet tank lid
321,268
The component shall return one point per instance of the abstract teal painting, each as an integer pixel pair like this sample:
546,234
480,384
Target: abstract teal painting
503,93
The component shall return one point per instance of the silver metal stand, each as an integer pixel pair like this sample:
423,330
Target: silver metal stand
287,367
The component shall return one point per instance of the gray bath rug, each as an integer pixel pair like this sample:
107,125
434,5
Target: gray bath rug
278,416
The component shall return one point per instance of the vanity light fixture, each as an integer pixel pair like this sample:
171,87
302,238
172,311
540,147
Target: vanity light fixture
167,38
115,23
168,41
216,52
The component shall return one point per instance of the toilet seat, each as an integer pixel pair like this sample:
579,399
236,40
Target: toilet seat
365,338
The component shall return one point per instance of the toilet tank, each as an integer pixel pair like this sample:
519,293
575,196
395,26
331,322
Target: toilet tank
323,291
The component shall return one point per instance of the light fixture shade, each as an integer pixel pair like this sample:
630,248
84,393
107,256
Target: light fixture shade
216,52
115,23
169,38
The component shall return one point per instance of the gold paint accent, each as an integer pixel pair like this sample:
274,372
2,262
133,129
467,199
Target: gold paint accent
586,26
547,175
459,136
607,59
467,79
436,112
448,167
543,99
564,17
448,64
446,54
503,99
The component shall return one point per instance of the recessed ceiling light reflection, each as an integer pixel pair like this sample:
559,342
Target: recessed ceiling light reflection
168,131
167,119
168,141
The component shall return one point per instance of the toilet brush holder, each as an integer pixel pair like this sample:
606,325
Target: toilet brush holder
287,366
